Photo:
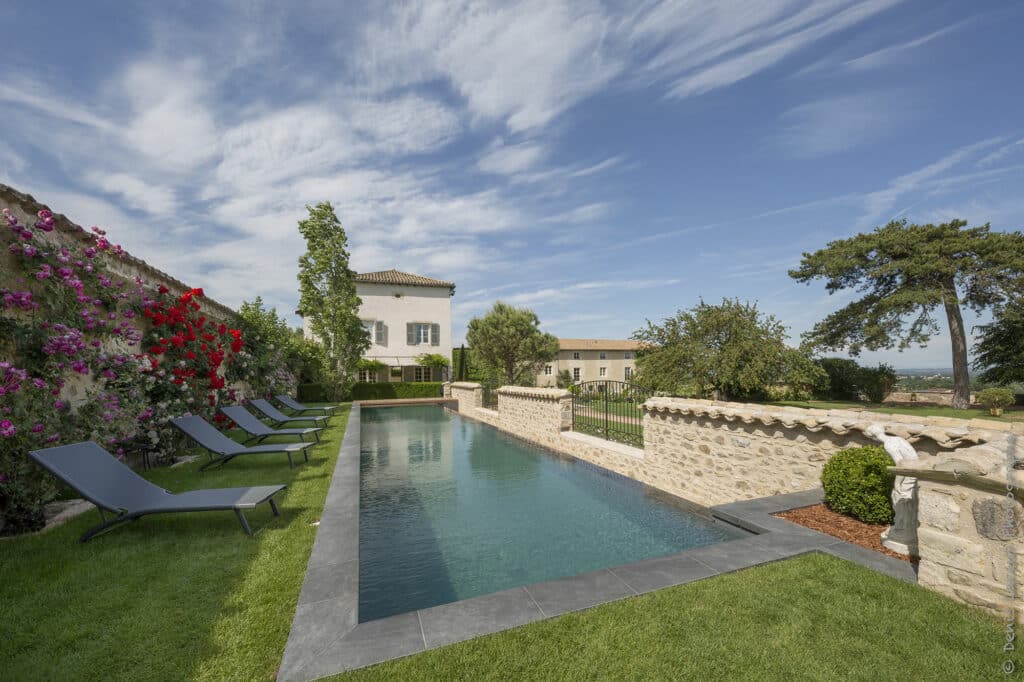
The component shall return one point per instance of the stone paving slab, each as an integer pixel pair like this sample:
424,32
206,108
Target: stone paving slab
326,637
449,623
654,574
563,595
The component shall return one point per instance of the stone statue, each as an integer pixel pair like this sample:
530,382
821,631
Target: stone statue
901,536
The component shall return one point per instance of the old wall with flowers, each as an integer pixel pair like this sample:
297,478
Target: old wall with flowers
96,344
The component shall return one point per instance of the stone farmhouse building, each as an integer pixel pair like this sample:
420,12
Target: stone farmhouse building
591,360
407,316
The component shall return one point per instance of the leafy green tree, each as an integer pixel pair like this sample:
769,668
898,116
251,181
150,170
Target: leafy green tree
843,379
729,351
327,293
905,272
1000,347
509,345
564,379
876,383
269,361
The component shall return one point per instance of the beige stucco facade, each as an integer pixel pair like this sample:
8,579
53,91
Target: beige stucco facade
591,360
405,321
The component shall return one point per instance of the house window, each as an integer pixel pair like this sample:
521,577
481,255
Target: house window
367,376
602,356
629,373
575,355
602,371
381,334
423,334
628,355
421,373
575,373
547,370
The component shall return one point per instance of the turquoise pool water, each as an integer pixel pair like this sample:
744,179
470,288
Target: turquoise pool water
451,508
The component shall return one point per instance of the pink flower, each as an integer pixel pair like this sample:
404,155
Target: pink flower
7,429
37,428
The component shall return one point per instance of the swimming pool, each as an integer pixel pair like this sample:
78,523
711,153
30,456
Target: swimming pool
452,509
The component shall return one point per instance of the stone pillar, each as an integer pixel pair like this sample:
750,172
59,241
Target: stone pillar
971,527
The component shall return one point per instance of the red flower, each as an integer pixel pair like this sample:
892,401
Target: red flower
156,350
162,289
190,355
236,345
222,329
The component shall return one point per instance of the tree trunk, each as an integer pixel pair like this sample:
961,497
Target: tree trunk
958,339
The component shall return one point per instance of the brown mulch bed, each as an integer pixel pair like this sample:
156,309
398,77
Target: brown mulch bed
822,519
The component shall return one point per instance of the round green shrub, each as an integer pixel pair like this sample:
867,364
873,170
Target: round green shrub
996,397
858,484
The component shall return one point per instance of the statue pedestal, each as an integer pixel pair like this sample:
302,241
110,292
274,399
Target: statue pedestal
901,536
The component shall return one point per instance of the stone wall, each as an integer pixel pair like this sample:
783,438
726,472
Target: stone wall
926,397
971,525
713,452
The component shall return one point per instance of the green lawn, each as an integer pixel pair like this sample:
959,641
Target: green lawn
810,618
172,597
919,410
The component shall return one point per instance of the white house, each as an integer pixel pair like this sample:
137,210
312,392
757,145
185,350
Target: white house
407,316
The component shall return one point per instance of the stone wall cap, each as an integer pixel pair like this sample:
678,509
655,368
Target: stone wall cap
466,384
946,432
530,392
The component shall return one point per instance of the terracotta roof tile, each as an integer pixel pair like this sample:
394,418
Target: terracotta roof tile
399,277
598,344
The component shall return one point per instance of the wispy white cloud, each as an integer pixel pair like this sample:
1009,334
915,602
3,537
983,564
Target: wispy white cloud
835,124
587,213
134,192
887,55
1002,152
879,203
511,159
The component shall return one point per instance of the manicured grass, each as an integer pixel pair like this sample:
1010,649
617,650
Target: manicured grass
178,596
919,410
815,617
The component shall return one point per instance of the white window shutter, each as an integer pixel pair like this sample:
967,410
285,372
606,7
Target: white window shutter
381,334
435,335
410,333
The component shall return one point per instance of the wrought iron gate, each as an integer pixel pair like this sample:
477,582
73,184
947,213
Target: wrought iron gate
610,410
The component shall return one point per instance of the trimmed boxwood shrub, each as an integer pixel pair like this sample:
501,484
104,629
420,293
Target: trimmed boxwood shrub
312,393
857,483
383,391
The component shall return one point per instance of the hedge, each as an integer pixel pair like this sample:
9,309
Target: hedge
383,391
312,393
858,483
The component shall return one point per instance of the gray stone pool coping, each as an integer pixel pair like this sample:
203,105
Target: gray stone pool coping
327,638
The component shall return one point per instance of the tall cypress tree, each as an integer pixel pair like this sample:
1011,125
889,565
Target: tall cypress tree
327,291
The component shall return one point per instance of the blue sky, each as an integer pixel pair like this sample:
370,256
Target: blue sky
602,163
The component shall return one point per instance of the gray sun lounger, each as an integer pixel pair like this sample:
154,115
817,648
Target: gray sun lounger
257,430
112,486
297,407
225,449
278,417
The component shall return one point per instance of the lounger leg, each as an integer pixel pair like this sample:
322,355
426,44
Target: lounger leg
104,527
242,520
291,463
273,507
221,461
317,435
